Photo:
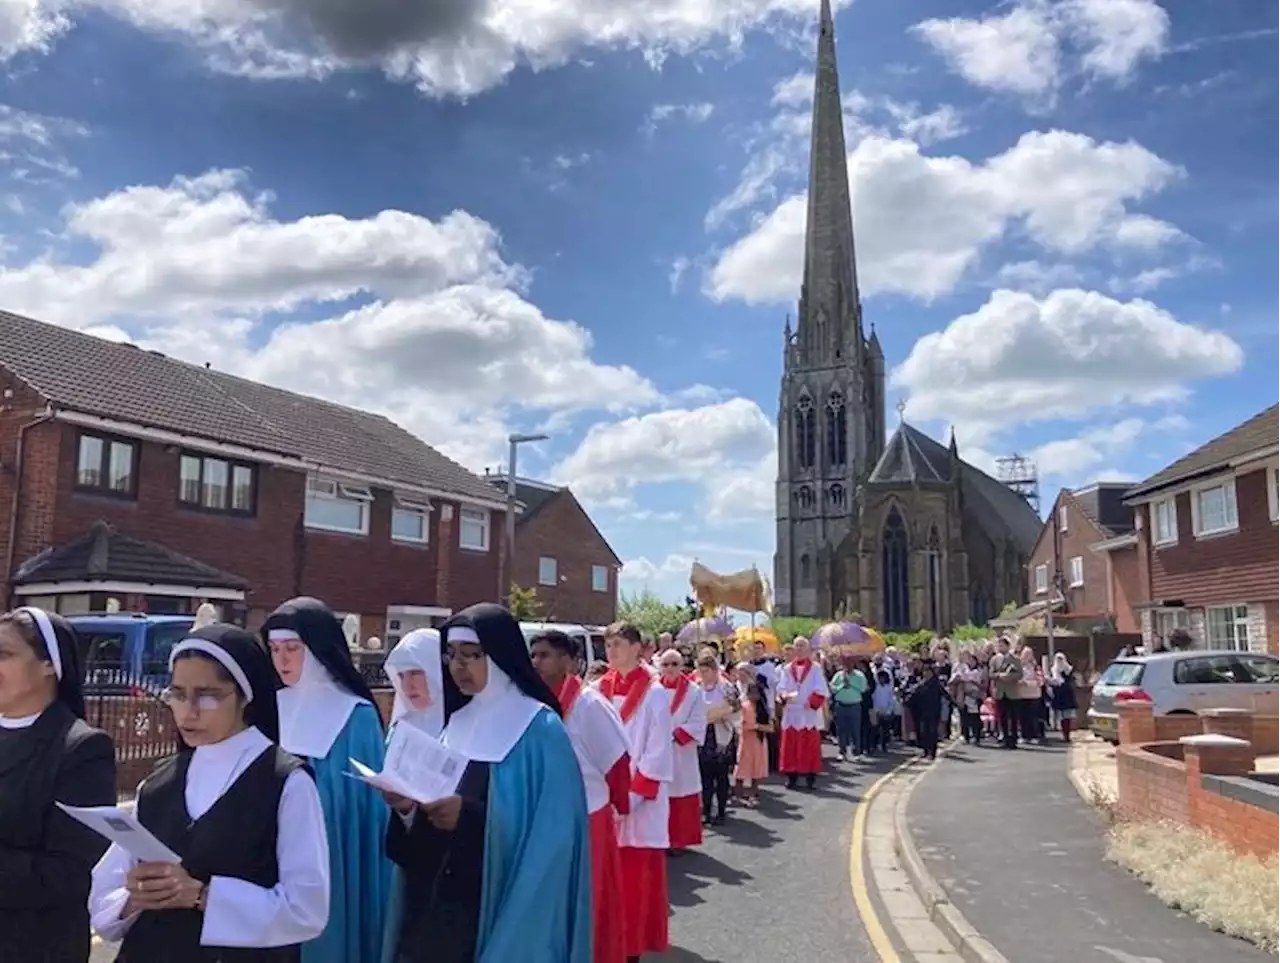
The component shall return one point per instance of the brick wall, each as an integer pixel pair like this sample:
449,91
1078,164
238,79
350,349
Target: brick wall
1055,549
562,530
1126,588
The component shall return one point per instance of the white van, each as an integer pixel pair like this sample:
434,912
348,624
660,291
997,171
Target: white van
583,638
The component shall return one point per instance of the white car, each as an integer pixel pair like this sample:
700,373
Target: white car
1184,683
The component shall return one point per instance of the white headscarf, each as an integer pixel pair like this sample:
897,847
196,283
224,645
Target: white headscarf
489,726
314,709
420,649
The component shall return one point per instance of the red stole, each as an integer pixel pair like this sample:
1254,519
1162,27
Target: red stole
681,686
633,687
570,689
808,665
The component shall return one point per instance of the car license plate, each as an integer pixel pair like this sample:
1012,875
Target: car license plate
1104,723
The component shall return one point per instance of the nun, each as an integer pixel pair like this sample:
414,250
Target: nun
327,716
417,677
47,753
243,815
500,871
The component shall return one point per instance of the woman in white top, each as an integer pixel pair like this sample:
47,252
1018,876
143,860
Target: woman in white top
243,815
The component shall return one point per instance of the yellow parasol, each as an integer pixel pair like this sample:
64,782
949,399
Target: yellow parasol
758,633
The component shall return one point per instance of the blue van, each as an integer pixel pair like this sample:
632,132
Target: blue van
128,652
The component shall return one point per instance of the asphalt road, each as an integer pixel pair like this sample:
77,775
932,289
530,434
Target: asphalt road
771,884
1021,856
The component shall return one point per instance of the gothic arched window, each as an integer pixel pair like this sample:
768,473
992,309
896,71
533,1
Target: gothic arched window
894,557
934,559
836,495
806,571
837,430
806,435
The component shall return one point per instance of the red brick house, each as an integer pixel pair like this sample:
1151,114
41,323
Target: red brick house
128,474
1206,529
560,552
1085,586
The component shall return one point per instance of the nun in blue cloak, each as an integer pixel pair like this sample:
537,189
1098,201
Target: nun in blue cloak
501,871
328,717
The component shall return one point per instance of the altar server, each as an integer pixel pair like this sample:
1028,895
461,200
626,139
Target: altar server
47,753
243,814
802,688
600,743
327,717
643,835
500,871
688,732
416,671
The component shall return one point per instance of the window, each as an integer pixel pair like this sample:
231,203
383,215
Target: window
599,578
106,465
409,520
1227,627
1122,674
1077,571
473,529
1273,492
1168,621
337,507
1203,670
547,571
216,484
1164,522
1042,579
805,433
1213,510
837,430
1258,669
1062,518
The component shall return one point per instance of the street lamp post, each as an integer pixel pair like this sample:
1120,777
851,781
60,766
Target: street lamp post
508,549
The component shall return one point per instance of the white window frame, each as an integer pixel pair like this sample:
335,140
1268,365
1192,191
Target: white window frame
1042,579
334,490
1238,620
1273,492
1076,564
548,571
1062,518
407,505
1164,622
1228,486
475,515
603,584
1156,538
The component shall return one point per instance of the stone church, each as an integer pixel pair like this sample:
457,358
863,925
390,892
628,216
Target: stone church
902,531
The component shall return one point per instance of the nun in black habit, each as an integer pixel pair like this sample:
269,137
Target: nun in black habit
243,814
47,753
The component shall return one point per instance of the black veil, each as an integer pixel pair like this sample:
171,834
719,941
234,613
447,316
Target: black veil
500,637
321,632
242,648
65,640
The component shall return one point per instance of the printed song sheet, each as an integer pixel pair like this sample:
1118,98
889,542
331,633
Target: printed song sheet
417,767
121,827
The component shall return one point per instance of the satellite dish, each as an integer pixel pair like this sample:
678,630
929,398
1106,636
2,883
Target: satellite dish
206,614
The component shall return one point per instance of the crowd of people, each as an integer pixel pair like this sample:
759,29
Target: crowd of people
580,782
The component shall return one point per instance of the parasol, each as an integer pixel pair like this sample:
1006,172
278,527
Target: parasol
759,633
705,630
858,639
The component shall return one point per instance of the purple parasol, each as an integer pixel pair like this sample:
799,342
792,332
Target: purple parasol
705,629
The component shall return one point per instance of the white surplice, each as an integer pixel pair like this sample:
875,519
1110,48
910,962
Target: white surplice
797,714
653,756
599,741
238,913
691,716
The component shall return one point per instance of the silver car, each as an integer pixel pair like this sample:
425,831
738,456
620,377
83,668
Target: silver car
1184,683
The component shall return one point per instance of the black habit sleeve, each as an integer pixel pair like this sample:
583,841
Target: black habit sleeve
58,872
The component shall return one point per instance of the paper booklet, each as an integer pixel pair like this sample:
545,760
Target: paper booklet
417,767
121,827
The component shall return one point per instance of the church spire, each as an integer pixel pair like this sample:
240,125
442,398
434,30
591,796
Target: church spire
829,297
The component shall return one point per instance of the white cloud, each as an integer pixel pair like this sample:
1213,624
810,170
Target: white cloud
1036,276
1020,359
1031,50
923,221
1077,457
639,572
31,145
434,296
710,446
696,113
29,25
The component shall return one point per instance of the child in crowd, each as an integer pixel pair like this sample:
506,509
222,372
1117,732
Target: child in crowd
988,711
884,705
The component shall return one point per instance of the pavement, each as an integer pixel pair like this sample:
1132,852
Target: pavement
1020,856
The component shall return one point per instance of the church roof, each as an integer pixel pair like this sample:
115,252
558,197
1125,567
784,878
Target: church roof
912,457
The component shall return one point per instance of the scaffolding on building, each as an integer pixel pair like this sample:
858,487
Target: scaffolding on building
1019,473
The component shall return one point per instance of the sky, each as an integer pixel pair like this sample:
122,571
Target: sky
585,219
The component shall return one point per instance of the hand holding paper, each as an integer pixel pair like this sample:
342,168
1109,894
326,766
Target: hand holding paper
416,767
122,828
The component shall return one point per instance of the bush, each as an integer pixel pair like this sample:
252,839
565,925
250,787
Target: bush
972,633
787,627
909,641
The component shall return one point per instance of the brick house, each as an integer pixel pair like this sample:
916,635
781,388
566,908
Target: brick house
1067,569
560,552
1206,551
127,474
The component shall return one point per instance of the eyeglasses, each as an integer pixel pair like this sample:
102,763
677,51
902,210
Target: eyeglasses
465,656
202,700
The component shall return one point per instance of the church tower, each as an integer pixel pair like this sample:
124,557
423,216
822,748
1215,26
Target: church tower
831,407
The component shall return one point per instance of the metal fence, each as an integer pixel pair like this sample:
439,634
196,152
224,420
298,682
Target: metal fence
127,706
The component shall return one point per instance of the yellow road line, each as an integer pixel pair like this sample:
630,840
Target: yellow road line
880,941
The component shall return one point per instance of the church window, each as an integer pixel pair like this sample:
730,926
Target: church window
835,495
806,571
804,497
806,435
894,556
934,556
837,430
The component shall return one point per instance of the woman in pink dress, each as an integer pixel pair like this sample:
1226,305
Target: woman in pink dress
753,754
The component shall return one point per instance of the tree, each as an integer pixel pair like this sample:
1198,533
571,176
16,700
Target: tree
650,614
524,604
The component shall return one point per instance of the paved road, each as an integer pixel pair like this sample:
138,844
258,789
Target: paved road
1021,855
772,884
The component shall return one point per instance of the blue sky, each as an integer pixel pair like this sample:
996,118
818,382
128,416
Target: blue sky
583,219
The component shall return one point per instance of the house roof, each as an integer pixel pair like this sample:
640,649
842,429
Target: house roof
79,372
912,457
103,554
1253,436
533,497
1104,505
